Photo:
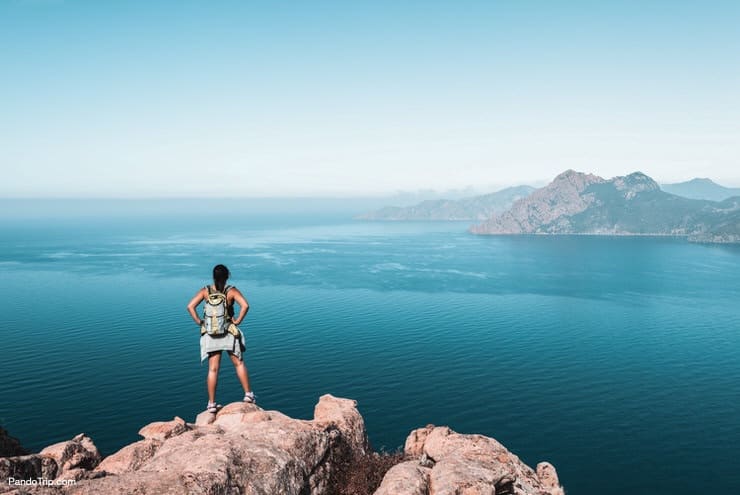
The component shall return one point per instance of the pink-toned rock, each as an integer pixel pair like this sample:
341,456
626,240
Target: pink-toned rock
162,430
414,446
245,450
258,416
75,474
549,477
249,451
234,414
205,418
344,415
473,465
457,475
237,408
407,478
80,452
130,457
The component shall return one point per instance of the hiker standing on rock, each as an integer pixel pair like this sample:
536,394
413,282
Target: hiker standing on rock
219,331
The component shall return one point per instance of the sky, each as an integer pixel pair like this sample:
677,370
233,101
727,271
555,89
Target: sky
317,98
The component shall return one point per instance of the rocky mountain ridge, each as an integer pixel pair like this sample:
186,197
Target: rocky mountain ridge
579,203
244,449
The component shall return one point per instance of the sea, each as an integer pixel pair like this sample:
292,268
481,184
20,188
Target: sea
617,359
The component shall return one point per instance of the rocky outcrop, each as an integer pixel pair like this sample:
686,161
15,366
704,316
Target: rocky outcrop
244,449
71,460
74,457
449,463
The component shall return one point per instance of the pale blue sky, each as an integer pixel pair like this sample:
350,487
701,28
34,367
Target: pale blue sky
211,98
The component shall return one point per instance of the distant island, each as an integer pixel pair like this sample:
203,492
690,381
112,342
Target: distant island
475,208
579,203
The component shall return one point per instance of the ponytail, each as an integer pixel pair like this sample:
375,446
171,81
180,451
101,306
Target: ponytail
220,276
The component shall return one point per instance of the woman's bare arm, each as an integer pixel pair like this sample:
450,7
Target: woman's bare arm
194,304
243,305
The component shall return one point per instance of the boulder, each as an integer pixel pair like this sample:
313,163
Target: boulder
78,453
344,415
414,446
549,477
407,477
464,465
162,430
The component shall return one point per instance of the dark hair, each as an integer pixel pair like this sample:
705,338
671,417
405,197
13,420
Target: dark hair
220,276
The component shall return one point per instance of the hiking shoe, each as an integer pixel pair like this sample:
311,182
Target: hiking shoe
249,397
212,407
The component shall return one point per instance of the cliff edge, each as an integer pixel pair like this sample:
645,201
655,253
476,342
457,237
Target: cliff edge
244,449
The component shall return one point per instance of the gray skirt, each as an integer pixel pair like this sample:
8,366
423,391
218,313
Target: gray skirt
225,342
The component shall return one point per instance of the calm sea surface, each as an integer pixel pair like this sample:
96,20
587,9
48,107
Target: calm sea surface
616,359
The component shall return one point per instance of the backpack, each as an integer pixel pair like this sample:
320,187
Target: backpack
216,318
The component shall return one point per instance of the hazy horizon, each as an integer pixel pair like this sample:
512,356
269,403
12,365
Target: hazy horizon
326,99
406,196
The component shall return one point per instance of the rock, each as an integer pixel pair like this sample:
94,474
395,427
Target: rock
162,430
75,474
408,478
425,461
549,477
414,446
232,415
30,466
80,452
466,464
130,457
246,450
237,408
344,414
460,475
242,449
10,446
205,418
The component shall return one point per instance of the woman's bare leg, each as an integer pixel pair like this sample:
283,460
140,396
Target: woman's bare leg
241,372
214,361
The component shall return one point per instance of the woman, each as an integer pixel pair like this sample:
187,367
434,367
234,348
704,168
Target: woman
231,341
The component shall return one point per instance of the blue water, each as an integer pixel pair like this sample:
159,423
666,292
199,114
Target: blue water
616,359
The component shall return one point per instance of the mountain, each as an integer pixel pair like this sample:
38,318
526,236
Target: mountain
473,208
578,203
701,189
245,449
